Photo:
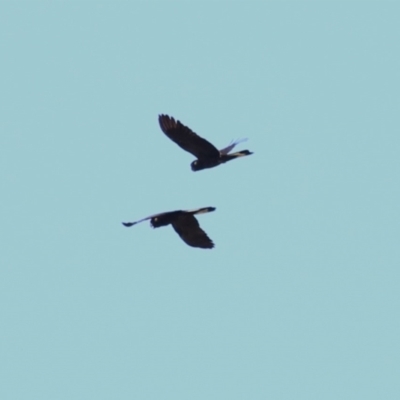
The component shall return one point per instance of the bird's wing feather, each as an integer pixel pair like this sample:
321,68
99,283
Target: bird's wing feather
228,148
188,228
129,224
185,138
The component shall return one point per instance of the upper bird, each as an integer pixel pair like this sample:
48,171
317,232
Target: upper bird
184,224
208,156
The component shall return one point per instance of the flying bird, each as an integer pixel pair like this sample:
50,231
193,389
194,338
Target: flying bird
208,156
184,224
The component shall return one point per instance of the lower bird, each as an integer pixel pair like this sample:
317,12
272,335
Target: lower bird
184,224
208,156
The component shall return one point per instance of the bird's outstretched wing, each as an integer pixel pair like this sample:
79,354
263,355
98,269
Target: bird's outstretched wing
185,138
188,228
228,148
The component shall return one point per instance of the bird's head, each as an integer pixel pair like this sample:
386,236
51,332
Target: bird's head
197,165
157,222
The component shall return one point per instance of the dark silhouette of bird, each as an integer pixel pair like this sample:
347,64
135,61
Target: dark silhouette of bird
184,224
208,156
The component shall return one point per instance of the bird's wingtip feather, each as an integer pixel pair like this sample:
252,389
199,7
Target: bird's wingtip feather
128,224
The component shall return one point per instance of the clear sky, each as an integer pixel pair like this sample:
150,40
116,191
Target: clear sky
300,297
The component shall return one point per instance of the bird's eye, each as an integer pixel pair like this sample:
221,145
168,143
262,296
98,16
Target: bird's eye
194,162
155,219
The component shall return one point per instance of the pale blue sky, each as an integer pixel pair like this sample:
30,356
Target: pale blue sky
300,297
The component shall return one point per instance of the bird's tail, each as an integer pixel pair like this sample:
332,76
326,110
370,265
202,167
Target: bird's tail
201,210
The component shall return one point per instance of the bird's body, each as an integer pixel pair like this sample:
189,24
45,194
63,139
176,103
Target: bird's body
208,156
184,224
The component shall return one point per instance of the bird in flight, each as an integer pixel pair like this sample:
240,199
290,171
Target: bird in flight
208,156
184,224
